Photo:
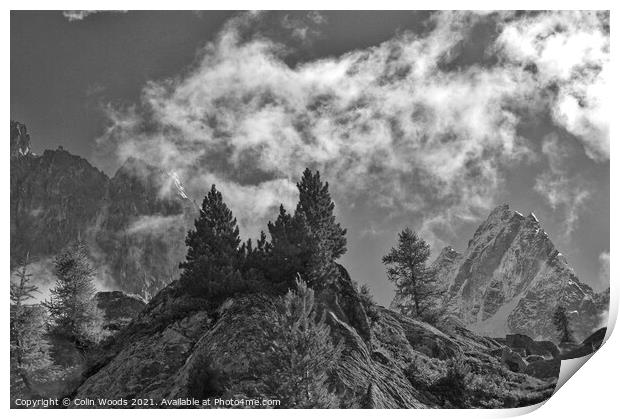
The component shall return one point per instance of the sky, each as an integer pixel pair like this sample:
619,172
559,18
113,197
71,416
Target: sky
420,119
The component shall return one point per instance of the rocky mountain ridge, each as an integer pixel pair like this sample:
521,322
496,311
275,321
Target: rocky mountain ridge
135,222
511,279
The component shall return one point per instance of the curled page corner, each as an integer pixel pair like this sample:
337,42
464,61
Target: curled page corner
569,367
612,315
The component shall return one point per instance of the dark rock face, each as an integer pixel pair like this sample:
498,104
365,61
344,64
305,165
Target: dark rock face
511,279
342,299
140,233
54,198
134,223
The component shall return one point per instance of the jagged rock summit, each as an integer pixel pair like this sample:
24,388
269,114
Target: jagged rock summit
20,140
511,279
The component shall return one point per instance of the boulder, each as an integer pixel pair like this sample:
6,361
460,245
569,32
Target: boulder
513,360
119,309
533,358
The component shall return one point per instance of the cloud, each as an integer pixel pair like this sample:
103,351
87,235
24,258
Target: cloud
254,204
76,15
563,191
305,28
569,52
400,126
155,223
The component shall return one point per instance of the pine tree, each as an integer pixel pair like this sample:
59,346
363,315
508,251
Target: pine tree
305,354
253,255
309,241
22,290
214,262
416,284
30,357
71,306
215,238
316,204
288,251
561,323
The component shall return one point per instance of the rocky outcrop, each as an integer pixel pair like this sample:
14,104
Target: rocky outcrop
511,279
118,308
341,298
147,366
134,222
178,349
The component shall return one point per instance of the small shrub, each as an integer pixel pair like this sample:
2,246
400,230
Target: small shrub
370,307
453,386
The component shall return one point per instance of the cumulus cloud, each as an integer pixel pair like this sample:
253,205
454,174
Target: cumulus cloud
569,52
392,126
76,15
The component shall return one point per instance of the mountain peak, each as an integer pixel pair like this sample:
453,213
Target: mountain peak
511,278
502,208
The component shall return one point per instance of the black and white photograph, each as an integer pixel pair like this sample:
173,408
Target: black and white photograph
306,209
